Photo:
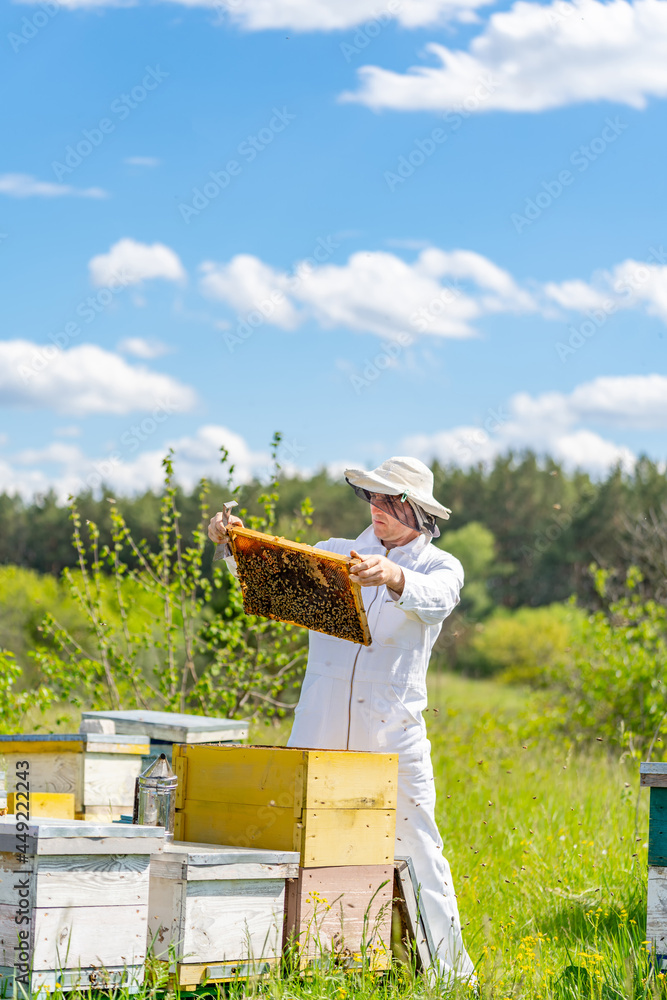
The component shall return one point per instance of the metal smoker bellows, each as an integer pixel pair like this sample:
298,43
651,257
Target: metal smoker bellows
155,796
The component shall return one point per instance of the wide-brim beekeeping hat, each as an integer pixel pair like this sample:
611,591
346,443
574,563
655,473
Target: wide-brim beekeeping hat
401,476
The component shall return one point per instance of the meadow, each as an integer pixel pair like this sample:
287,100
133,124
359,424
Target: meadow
547,843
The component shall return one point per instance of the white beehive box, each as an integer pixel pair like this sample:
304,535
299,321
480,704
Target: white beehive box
218,911
98,769
80,891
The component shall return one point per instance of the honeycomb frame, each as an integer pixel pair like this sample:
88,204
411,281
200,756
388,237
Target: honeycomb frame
265,563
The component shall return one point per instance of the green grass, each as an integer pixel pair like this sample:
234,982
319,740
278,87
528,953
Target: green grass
547,845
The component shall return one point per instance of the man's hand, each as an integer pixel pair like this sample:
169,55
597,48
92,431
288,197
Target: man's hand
374,571
217,528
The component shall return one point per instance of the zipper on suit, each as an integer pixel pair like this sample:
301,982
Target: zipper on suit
354,670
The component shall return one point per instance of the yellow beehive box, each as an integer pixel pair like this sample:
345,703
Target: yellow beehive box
54,805
335,807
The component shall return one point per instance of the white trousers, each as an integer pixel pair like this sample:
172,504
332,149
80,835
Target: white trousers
417,836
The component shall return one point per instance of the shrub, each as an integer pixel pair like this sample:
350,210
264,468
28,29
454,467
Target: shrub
524,646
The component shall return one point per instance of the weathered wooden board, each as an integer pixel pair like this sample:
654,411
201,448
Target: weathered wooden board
130,978
50,772
656,915
653,774
348,837
657,827
227,920
69,937
190,974
344,911
172,727
60,836
108,779
59,805
85,935
334,807
233,920
73,743
79,880
411,915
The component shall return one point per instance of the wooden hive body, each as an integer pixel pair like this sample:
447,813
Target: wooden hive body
335,807
341,912
297,583
99,770
82,892
654,775
217,913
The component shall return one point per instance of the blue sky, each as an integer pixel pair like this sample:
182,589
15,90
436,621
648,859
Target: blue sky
437,228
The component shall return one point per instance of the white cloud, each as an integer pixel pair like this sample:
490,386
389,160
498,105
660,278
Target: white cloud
142,161
26,186
442,293
375,291
321,15
534,57
132,465
551,424
138,347
633,284
135,262
83,380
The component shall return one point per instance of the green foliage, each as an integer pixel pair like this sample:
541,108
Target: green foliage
613,683
15,704
153,638
523,646
475,546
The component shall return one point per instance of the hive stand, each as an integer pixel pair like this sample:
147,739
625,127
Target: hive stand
84,890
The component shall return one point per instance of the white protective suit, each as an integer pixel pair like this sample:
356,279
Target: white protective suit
358,697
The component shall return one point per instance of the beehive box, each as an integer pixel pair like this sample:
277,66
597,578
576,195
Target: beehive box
342,913
217,913
654,775
80,893
297,583
335,807
98,769
58,805
163,729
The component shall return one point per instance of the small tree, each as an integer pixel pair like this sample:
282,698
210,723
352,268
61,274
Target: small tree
154,639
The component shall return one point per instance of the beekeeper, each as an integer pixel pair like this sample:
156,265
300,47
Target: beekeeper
357,697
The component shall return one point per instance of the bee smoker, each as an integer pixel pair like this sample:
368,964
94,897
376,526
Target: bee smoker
155,796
